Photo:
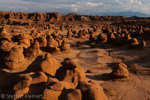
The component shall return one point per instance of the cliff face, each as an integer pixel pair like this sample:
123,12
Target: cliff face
33,16
17,17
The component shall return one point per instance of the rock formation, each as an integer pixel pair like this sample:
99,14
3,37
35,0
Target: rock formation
69,73
15,58
120,71
33,50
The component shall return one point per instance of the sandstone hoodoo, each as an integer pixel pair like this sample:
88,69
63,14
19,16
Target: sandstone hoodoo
91,91
120,71
49,65
15,58
134,42
68,63
6,45
33,50
102,37
142,44
42,42
70,72
52,56
65,46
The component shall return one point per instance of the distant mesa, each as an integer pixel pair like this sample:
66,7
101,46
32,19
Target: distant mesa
130,13
72,14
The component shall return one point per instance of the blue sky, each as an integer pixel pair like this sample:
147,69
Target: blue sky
76,6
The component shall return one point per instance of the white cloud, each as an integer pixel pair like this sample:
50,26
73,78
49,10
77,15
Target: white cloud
128,2
80,7
132,5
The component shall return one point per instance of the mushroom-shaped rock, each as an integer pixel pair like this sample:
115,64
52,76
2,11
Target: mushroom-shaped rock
64,46
22,84
33,50
75,94
23,81
15,58
53,49
102,37
80,34
6,45
5,35
69,34
3,30
49,94
53,42
134,42
142,44
71,74
42,41
120,71
91,36
111,36
91,91
140,32
49,65
69,63
127,38
25,43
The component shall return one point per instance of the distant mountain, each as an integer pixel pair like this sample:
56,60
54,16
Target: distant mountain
130,13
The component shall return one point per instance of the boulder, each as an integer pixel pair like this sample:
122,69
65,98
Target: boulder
127,38
91,91
53,42
21,93
75,94
25,43
51,81
102,37
59,86
91,38
53,49
7,46
69,34
71,74
120,71
23,36
33,50
38,77
68,63
142,44
21,85
49,65
134,42
64,46
111,36
3,30
49,94
80,34
42,41
15,58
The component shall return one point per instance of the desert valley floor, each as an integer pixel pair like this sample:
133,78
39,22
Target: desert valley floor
48,56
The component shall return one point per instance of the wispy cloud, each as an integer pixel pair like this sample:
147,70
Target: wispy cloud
77,6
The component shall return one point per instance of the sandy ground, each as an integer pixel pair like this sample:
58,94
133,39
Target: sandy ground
98,60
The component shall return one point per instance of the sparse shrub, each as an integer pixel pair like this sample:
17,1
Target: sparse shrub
92,45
